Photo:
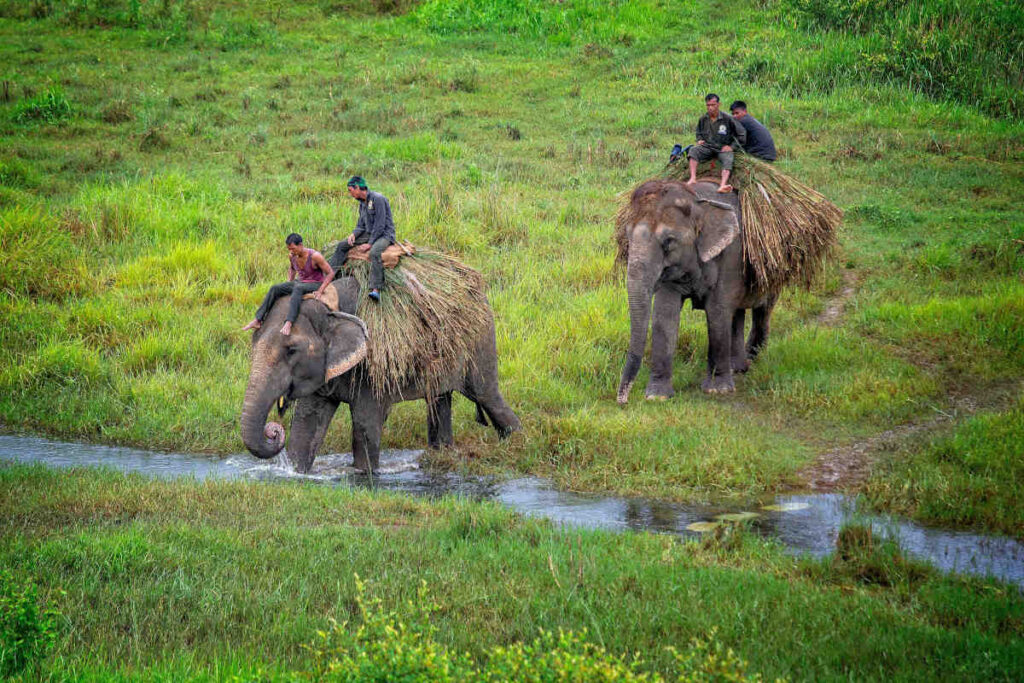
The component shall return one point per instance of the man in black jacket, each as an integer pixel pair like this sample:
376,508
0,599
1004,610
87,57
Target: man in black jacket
375,227
716,133
759,141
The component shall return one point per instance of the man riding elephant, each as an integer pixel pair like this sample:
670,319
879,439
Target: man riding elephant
716,133
375,227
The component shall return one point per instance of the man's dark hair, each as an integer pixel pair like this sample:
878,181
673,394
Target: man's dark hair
712,96
294,238
738,104
357,181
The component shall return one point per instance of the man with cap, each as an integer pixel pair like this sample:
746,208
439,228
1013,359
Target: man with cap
759,140
716,133
374,227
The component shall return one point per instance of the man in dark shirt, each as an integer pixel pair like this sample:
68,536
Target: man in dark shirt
759,140
374,227
716,133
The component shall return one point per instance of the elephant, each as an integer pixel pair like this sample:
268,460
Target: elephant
316,367
683,244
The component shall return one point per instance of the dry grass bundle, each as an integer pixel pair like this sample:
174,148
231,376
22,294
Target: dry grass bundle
426,323
789,229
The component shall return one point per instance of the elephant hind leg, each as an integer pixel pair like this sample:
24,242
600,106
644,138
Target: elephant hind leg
760,326
740,363
481,418
439,421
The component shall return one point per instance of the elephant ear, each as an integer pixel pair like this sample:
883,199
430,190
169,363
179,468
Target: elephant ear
718,228
346,343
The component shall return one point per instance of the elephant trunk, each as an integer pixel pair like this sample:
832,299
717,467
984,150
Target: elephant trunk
265,386
640,279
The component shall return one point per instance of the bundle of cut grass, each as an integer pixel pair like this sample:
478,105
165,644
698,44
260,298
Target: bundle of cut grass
789,229
426,323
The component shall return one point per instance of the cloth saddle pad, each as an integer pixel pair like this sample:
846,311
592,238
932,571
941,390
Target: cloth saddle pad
390,257
329,298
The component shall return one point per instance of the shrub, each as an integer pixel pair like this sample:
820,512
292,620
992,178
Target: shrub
16,173
386,647
26,632
33,245
50,107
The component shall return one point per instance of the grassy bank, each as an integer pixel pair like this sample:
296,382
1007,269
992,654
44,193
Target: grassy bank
157,580
160,157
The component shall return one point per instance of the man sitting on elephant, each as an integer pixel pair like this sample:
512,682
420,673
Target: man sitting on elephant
374,227
716,133
313,272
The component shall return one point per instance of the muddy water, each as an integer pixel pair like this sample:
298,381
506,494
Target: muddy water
803,524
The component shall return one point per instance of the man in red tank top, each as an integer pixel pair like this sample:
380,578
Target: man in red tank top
309,272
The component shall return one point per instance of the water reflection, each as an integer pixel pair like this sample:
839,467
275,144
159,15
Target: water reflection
812,529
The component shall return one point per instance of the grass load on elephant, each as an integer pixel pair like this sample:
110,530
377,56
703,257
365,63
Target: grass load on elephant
788,228
431,309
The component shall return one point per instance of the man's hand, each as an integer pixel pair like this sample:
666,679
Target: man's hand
700,142
316,295
727,148
351,239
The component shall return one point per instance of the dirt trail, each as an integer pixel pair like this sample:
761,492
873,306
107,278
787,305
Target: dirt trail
847,467
837,304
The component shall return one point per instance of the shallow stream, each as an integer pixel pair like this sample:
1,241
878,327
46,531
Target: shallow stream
802,523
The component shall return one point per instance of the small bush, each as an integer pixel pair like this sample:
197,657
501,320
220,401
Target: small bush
50,107
26,632
33,245
465,78
387,647
16,173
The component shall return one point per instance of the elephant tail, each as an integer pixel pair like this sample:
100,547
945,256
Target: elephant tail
481,418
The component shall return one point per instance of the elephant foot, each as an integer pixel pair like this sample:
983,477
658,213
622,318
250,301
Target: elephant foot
718,384
741,365
659,391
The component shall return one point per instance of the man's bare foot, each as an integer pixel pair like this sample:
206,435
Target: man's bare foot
254,325
724,189
691,181
287,329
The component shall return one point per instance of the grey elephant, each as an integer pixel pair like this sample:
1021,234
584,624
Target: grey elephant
315,366
683,243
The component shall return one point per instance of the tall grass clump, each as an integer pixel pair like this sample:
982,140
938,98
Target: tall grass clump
37,256
50,107
969,51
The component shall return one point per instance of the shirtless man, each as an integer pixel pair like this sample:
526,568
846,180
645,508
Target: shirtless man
308,272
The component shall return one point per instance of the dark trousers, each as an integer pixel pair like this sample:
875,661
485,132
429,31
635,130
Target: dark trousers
376,263
296,289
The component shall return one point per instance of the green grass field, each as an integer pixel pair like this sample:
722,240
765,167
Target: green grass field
154,155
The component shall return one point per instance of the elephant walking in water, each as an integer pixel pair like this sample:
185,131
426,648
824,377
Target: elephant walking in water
683,243
315,367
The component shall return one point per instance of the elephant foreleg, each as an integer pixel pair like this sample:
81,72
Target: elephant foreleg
760,326
309,426
439,421
664,335
739,353
719,378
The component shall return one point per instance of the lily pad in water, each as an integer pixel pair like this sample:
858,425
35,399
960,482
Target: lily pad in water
786,507
736,516
703,527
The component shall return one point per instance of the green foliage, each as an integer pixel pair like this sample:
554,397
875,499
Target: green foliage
971,52
558,23
16,173
26,631
388,646
51,107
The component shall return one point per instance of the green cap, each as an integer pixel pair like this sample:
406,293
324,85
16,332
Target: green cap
357,181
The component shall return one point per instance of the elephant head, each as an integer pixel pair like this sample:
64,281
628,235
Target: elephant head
322,345
674,233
